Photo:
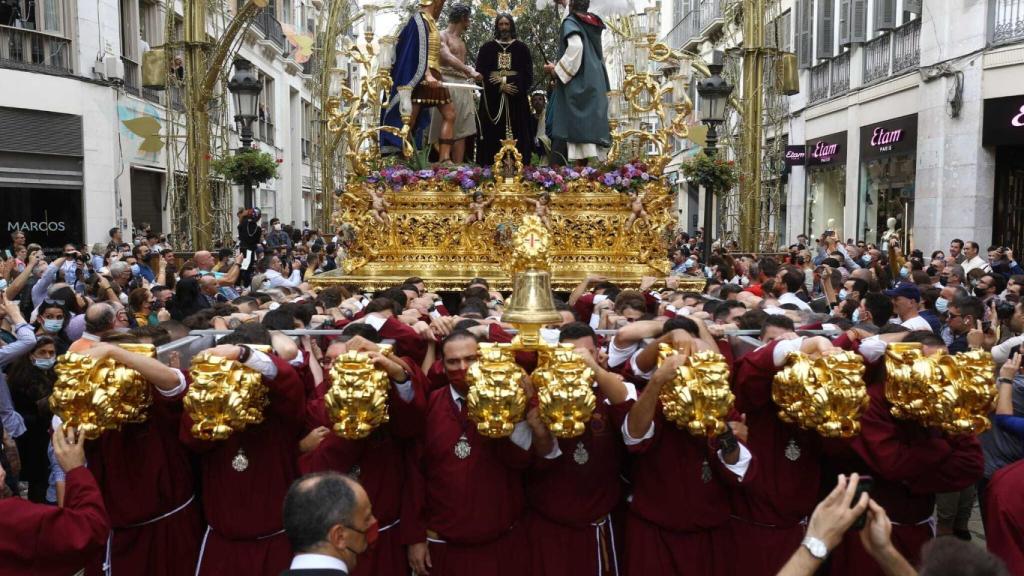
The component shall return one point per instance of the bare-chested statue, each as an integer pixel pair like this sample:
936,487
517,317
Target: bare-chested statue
455,70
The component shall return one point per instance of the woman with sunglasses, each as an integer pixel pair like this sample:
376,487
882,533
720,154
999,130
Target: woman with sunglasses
52,321
140,308
31,379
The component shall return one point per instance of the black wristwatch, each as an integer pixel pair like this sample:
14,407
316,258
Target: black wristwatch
244,353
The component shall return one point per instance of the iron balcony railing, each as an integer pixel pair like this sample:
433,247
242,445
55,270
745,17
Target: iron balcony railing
877,57
1006,21
819,82
268,25
33,50
893,53
840,74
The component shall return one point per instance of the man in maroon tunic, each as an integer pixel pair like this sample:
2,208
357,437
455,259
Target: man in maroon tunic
770,509
1004,530
572,490
245,477
679,517
146,477
378,461
48,540
909,462
467,499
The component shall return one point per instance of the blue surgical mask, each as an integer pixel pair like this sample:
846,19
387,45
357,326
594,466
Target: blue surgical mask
941,304
843,294
52,325
904,272
866,259
3,284
856,316
44,363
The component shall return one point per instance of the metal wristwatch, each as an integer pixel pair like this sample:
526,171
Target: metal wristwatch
816,547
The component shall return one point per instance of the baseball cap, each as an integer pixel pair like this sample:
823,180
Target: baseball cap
906,290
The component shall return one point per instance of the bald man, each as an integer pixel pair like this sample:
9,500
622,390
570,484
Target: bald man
205,262
100,319
329,521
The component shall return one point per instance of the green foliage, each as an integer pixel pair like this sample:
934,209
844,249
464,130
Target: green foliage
247,167
538,29
713,174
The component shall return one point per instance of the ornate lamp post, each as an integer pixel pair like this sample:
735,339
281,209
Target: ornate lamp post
245,87
714,93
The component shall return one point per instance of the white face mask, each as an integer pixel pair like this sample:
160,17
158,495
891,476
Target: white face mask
843,294
550,335
277,226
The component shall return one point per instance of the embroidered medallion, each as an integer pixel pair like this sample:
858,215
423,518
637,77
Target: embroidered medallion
792,451
580,455
462,448
705,472
240,462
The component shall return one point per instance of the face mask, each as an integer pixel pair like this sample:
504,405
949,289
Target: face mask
3,284
457,379
843,294
550,335
866,259
856,316
44,363
904,272
371,534
941,304
52,325
135,269
980,292
277,226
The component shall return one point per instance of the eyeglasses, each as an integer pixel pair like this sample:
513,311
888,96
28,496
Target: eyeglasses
950,316
53,301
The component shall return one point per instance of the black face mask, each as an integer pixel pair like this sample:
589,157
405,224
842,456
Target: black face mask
157,305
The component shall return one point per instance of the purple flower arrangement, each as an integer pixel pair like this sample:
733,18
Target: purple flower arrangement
624,178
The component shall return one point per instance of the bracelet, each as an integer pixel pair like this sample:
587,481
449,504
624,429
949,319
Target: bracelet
1004,380
244,353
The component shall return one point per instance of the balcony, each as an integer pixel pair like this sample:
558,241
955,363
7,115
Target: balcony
830,78
893,52
703,19
840,74
33,50
268,25
711,16
1006,21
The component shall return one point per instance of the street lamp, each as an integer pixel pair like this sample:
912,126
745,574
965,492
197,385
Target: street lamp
245,87
714,93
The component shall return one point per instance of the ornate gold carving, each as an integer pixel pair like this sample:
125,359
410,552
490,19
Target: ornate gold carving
698,399
357,399
825,394
225,397
97,395
496,401
954,393
563,382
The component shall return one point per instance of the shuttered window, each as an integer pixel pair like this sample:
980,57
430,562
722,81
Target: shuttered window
885,14
805,33
853,21
826,29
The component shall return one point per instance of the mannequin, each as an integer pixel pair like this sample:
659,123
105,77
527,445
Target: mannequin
889,234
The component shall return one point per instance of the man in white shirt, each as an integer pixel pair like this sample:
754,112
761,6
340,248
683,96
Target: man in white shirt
329,522
275,274
906,300
787,282
972,259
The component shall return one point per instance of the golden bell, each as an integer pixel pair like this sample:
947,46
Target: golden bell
531,306
698,399
564,390
787,74
496,401
225,397
357,399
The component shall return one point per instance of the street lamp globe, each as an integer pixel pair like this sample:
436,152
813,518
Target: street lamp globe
245,88
714,92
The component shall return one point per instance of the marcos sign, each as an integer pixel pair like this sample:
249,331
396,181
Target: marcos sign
48,217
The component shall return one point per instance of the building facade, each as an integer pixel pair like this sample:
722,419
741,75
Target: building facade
77,128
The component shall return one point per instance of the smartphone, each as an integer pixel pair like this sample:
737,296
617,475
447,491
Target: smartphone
865,485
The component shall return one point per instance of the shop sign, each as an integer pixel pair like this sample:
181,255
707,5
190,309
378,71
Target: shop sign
796,155
889,137
48,217
1003,122
827,150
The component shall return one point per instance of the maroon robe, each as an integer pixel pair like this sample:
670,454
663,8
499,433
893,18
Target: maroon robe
769,509
1004,529
378,463
471,509
407,341
679,517
570,499
145,473
243,509
908,463
584,307
42,540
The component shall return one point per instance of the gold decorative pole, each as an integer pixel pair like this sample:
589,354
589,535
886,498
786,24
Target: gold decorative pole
750,134
203,63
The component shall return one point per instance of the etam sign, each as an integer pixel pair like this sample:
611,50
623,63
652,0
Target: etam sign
890,137
827,150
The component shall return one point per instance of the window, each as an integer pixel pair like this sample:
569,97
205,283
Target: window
779,33
307,125
264,129
805,33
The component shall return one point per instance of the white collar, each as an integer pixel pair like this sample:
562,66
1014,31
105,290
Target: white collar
459,398
375,320
311,561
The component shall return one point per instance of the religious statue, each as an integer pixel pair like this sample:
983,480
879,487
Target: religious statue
417,64
636,206
538,105
540,208
504,110
379,206
579,103
460,78
476,208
